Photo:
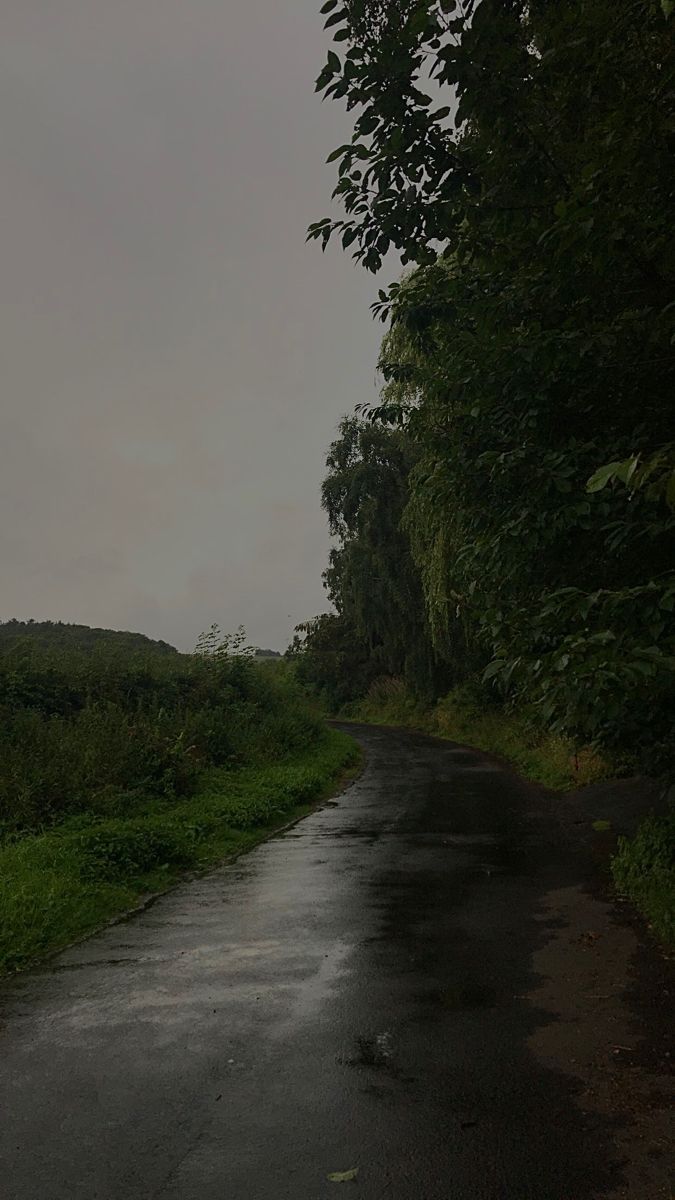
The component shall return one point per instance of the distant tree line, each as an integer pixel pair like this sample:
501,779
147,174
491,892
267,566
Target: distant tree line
54,635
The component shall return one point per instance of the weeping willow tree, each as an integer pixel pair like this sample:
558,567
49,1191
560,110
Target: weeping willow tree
372,579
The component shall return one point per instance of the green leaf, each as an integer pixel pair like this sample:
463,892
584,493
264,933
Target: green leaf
667,7
602,476
328,6
602,826
626,469
344,1176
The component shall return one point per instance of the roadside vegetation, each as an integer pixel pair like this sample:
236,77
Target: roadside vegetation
644,870
121,767
464,716
504,517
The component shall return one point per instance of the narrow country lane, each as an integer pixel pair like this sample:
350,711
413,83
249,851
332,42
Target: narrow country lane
369,990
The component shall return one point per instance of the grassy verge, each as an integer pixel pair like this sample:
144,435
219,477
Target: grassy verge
542,757
644,870
59,885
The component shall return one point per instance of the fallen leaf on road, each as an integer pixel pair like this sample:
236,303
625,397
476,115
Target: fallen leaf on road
344,1176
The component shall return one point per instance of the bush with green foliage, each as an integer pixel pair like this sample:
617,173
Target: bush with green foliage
95,730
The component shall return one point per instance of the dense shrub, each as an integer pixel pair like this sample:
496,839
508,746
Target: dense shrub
97,729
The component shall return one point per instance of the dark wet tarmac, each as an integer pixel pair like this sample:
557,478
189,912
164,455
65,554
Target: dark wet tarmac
352,994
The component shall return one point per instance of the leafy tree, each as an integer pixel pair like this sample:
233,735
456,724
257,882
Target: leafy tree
331,660
519,155
380,626
371,579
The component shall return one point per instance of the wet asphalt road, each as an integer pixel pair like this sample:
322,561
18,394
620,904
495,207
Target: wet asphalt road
351,994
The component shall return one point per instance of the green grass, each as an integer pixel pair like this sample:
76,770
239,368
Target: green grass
644,870
59,885
542,757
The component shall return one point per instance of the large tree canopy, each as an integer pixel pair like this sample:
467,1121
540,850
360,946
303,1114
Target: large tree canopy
519,155
503,114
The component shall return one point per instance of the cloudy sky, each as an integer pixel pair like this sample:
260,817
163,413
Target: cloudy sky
174,357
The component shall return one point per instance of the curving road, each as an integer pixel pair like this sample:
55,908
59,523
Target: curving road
355,993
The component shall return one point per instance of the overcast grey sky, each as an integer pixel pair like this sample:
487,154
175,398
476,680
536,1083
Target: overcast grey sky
174,357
